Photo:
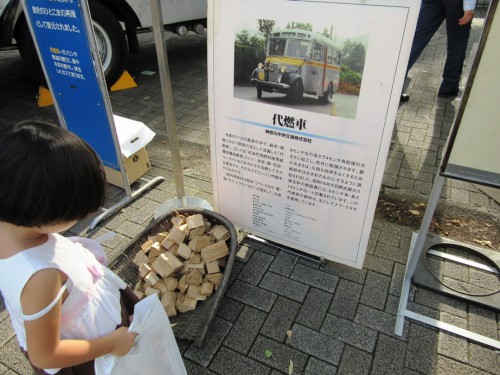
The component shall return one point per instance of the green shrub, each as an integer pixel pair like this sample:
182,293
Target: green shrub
350,81
246,60
350,76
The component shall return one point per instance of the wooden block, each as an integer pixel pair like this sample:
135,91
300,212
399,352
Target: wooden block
198,243
155,251
195,258
144,269
151,278
198,266
173,249
207,289
160,285
176,235
208,225
166,264
184,251
160,237
167,244
177,221
219,232
171,283
194,277
140,258
194,291
185,268
168,301
182,285
195,221
139,285
146,246
214,278
213,267
185,303
196,232
214,251
171,311
152,238
150,290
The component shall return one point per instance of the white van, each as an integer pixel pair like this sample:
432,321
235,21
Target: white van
116,23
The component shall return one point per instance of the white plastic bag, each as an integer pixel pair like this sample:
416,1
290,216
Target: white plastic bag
155,351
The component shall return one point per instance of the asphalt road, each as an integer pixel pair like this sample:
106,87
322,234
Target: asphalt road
341,105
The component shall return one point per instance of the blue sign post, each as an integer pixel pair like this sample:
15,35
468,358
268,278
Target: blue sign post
65,41
72,74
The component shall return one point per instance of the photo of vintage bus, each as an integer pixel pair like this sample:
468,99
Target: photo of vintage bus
299,62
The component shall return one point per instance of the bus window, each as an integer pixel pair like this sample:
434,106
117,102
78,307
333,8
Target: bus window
330,55
317,52
297,48
277,47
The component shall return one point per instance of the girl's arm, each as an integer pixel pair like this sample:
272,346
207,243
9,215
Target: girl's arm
45,348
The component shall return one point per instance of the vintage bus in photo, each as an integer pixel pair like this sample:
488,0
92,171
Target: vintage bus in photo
299,62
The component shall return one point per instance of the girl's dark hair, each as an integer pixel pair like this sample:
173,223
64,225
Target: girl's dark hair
48,175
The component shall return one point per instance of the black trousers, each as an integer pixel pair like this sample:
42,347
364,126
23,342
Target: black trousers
431,16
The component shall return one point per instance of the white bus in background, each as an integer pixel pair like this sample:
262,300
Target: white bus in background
299,62
116,23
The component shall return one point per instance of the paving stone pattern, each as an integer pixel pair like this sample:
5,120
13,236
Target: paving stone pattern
320,318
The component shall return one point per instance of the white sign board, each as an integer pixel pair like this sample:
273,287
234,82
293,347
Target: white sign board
472,153
292,162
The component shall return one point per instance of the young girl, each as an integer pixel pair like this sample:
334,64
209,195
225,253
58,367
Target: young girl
64,305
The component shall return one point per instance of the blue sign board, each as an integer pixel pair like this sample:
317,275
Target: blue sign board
70,67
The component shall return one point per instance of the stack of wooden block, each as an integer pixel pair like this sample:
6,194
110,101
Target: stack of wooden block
182,266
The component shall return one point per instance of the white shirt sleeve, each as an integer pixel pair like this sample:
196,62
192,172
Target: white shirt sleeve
469,4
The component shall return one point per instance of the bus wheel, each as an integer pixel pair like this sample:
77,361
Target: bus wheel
297,92
326,97
259,92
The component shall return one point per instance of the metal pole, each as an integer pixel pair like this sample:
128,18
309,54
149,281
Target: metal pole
416,250
104,90
168,101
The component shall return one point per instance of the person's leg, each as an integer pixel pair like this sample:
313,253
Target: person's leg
458,37
431,16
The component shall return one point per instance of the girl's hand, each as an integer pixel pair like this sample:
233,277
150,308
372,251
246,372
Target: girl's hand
123,340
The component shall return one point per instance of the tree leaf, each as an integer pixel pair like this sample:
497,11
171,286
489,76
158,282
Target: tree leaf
456,222
268,353
484,243
289,333
415,212
290,368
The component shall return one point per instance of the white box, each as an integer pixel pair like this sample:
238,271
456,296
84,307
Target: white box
133,137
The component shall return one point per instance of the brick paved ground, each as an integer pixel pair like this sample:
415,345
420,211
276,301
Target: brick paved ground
342,318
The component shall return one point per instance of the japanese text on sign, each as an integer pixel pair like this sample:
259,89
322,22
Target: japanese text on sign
312,179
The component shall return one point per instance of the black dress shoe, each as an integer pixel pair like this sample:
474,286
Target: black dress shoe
404,98
450,94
